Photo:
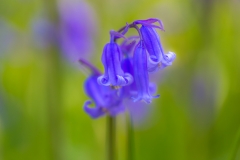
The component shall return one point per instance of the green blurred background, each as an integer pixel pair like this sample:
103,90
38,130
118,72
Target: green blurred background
197,116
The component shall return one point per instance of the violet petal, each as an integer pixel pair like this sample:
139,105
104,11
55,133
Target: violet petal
141,74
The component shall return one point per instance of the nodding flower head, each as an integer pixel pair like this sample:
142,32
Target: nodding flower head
141,74
125,69
111,59
157,59
105,99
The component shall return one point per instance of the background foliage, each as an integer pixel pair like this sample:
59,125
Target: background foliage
196,117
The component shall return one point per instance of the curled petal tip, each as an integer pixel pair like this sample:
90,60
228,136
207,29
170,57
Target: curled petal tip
102,80
168,59
124,80
170,56
92,112
86,104
147,98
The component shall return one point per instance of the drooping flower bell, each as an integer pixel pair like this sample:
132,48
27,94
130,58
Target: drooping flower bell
130,90
105,99
126,70
111,59
157,59
141,77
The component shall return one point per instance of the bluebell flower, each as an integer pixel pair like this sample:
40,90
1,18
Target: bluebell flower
127,66
157,59
77,29
141,77
105,99
129,90
128,45
111,59
126,70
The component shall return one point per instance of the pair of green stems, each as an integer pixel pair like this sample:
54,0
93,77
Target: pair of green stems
111,138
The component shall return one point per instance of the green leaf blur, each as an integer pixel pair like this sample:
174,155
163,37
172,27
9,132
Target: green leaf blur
197,116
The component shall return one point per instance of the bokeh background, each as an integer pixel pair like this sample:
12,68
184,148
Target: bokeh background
197,116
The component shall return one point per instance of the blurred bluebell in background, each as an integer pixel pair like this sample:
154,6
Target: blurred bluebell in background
78,27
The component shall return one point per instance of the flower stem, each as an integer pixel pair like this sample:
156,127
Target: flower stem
111,138
89,66
236,147
53,84
130,139
131,25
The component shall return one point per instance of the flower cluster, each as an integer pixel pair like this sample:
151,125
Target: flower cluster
126,69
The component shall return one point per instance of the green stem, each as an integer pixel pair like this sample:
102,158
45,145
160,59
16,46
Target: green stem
130,139
53,85
236,147
111,138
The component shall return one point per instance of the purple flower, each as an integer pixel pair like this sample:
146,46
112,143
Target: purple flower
77,29
157,59
106,99
128,45
120,63
129,90
111,59
141,74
